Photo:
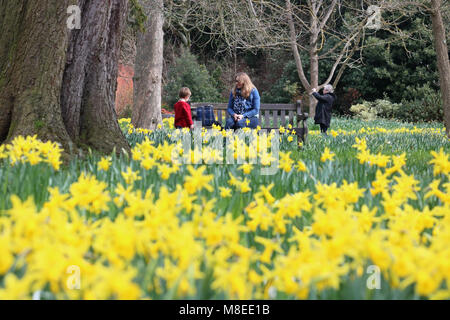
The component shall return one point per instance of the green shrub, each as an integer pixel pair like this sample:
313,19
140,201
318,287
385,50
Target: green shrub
364,111
286,88
187,72
426,107
216,75
385,108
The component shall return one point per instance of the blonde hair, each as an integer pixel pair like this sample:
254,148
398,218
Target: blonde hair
247,87
184,92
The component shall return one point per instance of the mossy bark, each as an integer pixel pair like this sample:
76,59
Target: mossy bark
33,58
57,84
10,15
90,78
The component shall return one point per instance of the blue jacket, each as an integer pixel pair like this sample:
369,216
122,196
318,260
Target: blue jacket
252,104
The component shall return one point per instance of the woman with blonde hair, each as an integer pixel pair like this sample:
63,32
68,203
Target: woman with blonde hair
244,104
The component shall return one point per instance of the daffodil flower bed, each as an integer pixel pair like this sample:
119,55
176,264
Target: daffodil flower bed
144,226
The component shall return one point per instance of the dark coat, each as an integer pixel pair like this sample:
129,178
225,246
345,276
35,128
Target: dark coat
323,109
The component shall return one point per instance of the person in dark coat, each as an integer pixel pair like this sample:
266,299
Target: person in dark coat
324,106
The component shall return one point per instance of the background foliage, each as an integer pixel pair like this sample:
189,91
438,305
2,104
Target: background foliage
400,71
186,71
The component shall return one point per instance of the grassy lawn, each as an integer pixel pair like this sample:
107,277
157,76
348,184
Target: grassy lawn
363,213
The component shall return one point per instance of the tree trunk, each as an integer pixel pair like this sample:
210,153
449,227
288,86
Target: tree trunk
294,47
313,56
59,91
314,79
148,68
90,78
10,16
442,59
32,57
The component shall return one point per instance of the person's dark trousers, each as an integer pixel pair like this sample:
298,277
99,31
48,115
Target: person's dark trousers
230,124
323,128
252,123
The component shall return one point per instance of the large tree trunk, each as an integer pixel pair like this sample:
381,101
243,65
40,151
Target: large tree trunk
442,59
34,51
10,16
90,79
32,57
148,68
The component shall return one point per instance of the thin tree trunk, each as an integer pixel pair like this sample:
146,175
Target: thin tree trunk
32,57
313,55
442,59
314,78
148,69
294,48
90,79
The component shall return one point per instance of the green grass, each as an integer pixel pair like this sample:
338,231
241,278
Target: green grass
33,181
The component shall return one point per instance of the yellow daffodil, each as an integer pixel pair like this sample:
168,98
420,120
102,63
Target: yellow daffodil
327,155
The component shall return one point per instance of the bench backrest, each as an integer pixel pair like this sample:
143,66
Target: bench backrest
271,116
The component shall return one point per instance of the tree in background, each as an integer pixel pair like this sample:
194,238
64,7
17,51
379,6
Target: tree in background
438,11
440,41
60,84
329,32
149,67
159,15
344,31
400,67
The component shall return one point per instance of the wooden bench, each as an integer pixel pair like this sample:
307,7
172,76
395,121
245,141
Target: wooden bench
271,116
